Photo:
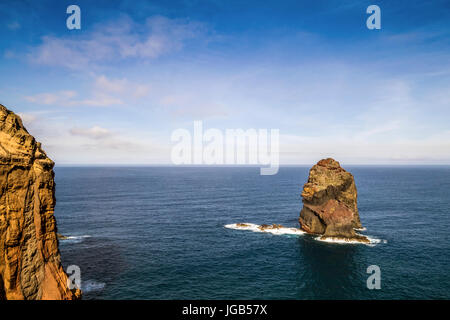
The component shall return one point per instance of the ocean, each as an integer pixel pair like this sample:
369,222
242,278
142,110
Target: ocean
159,233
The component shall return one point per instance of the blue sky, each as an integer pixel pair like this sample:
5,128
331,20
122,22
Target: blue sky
112,92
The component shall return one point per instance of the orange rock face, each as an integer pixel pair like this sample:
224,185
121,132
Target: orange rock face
30,266
330,202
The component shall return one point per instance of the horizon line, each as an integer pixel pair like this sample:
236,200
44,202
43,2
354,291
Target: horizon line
240,166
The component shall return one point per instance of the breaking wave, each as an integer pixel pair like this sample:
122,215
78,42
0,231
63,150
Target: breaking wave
373,241
91,285
257,228
74,239
280,230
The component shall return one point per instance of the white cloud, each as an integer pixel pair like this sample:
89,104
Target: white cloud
121,87
356,113
97,144
108,85
67,98
119,40
61,97
415,36
306,150
141,91
99,100
95,132
28,119
104,92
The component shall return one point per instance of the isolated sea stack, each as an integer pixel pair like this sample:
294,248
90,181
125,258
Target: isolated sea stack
330,203
30,263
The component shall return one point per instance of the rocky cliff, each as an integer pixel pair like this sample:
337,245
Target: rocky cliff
30,266
330,202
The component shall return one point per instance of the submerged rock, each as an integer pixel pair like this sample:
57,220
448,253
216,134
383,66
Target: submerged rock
242,225
30,263
330,203
61,237
270,226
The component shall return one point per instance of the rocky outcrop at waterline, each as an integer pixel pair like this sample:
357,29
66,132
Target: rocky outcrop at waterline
30,263
330,203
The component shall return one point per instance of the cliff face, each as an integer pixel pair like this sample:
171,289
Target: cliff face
330,202
30,266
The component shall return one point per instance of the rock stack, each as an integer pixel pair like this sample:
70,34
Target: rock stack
330,203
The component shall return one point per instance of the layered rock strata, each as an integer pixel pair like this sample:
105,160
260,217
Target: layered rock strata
330,203
30,263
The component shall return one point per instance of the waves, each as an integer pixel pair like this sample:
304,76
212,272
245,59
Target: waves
172,243
280,230
74,239
87,286
373,241
91,285
273,229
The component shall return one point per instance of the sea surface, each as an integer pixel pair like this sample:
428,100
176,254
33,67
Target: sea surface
158,233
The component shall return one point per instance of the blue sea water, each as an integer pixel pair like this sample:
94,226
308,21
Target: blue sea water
158,233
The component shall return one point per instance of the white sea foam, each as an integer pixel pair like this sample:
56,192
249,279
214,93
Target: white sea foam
373,241
256,228
295,231
75,239
91,285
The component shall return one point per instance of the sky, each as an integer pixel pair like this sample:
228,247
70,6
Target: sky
115,90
